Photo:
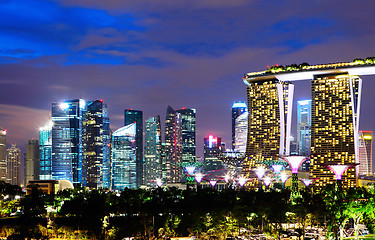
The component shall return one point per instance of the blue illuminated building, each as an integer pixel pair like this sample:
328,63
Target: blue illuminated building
124,174
238,108
304,130
45,152
67,140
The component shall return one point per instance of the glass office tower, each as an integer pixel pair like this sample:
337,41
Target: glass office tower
96,163
124,174
241,132
212,148
67,140
304,127
13,165
32,162
238,108
365,153
136,116
45,152
3,154
188,134
153,157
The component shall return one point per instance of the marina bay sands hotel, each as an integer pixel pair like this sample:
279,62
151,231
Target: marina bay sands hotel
335,108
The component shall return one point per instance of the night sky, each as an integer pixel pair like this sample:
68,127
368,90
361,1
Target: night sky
146,55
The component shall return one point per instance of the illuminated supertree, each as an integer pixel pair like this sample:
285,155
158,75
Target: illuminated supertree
233,161
294,163
339,170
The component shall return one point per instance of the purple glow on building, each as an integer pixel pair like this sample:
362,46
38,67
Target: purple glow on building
295,162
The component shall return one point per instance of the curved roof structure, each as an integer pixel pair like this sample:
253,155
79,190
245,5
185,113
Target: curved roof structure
308,72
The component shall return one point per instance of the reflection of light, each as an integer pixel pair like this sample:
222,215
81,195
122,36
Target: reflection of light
242,181
159,182
295,162
190,170
260,171
198,177
64,105
267,181
338,170
277,168
213,182
283,177
307,181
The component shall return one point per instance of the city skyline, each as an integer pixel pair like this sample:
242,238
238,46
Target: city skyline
133,55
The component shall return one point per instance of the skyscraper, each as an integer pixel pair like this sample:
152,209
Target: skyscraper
188,134
124,174
365,153
13,165
212,149
270,107
136,116
67,140
334,126
241,132
153,158
45,152
238,108
96,162
304,127
173,145
32,165
3,154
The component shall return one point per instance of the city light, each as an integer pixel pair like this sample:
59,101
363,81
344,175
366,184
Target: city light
260,171
267,181
190,169
283,177
213,182
159,182
307,182
277,168
295,162
242,181
338,170
198,177
64,105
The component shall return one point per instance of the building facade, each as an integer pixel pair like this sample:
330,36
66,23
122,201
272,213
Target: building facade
212,148
97,142
173,146
334,126
13,165
45,152
238,108
153,158
241,126
188,135
124,172
136,116
67,140
32,161
3,154
304,127
365,166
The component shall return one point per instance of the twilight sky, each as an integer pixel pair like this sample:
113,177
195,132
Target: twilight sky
147,55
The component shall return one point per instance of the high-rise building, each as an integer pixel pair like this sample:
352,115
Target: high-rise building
365,153
238,108
153,158
3,154
304,127
45,152
334,126
13,165
270,107
211,150
67,140
136,116
32,166
188,134
173,145
97,158
124,174
241,132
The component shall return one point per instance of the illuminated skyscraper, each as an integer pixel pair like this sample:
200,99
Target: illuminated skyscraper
212,149
67,140
241,132
270,107
32,165
153,158
304,127
136,116
124,173
13,165
188,134
3,154
334,126
365,153
97,141
173,145
238,108
45,152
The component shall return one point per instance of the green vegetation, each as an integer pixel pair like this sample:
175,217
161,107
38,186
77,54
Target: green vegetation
167,212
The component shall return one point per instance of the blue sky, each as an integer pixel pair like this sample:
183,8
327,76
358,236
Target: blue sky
147,55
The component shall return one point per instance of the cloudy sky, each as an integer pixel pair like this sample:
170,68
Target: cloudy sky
148,54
